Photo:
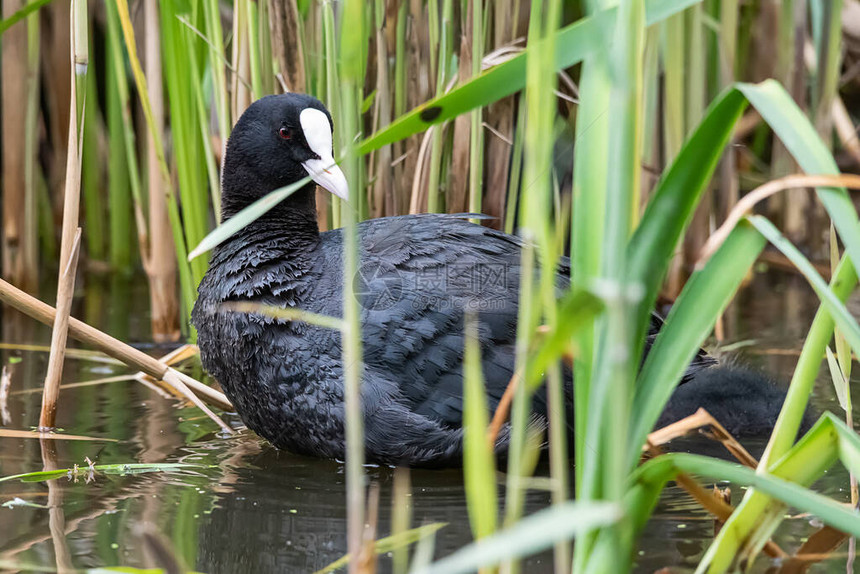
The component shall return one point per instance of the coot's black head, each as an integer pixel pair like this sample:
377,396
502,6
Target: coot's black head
278,141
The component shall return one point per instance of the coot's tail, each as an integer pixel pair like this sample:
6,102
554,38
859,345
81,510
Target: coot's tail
745,402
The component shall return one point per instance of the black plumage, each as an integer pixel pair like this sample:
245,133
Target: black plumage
418,274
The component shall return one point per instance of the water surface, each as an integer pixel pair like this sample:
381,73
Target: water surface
250,508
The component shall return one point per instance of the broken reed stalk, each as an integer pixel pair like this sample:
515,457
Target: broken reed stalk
700,419
70,244
115,348
59,335
716,506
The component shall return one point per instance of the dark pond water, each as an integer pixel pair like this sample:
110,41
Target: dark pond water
250,508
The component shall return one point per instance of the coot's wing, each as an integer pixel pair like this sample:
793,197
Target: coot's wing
419,275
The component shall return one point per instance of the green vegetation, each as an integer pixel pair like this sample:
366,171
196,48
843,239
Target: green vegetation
92,470
620,91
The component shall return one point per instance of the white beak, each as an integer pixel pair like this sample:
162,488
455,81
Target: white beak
328,176
317,130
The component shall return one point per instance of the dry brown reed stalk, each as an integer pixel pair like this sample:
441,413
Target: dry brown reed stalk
728,191
816,548
15,191
500,123
502,410
289,52
476,141
29,244
71,233
287,47
418,197
416,93
241,59
60,332
783,263
845,129
793,208
91,383
383,199
747,202
5,385
715,505
82,354
458,186
746,125
178,380
180,354
132,357
701,418
725,495
161,268
54,49
13,433
366,563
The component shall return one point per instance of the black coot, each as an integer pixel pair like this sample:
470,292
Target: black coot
418,273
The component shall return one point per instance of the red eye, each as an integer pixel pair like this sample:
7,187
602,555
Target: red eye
285,133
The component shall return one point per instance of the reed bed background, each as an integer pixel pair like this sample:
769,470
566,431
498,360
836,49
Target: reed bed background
615,133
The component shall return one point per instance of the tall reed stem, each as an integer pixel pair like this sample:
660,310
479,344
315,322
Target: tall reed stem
19,265
241,58
444,45
70,244
538,248
352,37
333,95
157,157
587,222
537,185
162,268
29,243
609,392
476,147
